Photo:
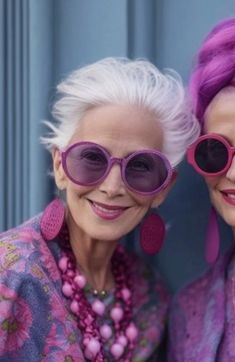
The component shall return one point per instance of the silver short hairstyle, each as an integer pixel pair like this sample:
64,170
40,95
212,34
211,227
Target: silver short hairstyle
121,81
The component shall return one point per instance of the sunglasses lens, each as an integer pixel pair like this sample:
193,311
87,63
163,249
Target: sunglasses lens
86,164
211,155
146,172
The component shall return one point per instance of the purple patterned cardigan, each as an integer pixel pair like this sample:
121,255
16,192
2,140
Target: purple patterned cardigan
202,316
35,321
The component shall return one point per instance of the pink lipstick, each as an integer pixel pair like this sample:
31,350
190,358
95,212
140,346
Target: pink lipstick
107,212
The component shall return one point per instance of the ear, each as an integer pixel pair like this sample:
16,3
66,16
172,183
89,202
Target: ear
159,198
60,177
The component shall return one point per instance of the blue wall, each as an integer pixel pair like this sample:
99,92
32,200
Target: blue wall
58,36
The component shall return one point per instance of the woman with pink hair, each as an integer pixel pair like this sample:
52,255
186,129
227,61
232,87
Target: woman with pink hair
202,319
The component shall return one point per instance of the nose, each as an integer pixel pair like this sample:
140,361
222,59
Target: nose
231,171
113,184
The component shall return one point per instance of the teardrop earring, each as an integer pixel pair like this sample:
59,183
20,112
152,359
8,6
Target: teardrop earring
52,219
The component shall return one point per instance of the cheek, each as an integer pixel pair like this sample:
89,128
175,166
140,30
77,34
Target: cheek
141,201
151,201
76,190
211,182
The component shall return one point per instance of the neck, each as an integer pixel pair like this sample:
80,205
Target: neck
93,258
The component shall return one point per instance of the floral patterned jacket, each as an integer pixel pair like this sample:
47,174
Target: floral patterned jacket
202,317
35,321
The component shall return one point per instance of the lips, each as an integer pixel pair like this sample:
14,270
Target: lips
229,196
107,212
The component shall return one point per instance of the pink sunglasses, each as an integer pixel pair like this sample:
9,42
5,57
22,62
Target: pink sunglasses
211,155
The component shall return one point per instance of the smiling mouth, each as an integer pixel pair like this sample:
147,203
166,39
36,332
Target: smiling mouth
229,196
107,212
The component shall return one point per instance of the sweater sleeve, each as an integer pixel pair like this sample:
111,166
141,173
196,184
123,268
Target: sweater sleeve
25,310
34,322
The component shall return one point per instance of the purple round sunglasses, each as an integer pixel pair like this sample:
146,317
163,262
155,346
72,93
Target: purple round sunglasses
145,172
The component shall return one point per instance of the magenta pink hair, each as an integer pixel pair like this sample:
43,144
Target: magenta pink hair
215,66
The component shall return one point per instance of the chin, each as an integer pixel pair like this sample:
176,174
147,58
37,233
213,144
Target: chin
227,212
229,218
230,221
106,235
109,232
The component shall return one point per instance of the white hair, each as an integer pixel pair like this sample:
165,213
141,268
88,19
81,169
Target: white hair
125,82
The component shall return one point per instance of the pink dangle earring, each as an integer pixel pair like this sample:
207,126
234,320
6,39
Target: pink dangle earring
52,219
152,234
212,238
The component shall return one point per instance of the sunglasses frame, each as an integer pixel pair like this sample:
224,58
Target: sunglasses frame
122,162
192,150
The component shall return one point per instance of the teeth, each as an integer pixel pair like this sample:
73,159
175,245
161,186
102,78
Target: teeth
231,196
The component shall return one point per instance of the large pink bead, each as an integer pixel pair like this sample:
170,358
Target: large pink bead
98,307
93,346
63,263
80,280
105,331
131,332
117,350
67,289
125,292
122,340
116,314
74,306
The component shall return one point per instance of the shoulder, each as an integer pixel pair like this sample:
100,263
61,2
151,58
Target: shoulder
193,293
22,235
190,302
197,312
33,314
202,288
18,243
23,252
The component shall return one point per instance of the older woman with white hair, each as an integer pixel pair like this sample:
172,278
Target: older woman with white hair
69,290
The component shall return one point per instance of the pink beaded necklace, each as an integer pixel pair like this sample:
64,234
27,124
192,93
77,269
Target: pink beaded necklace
94,334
